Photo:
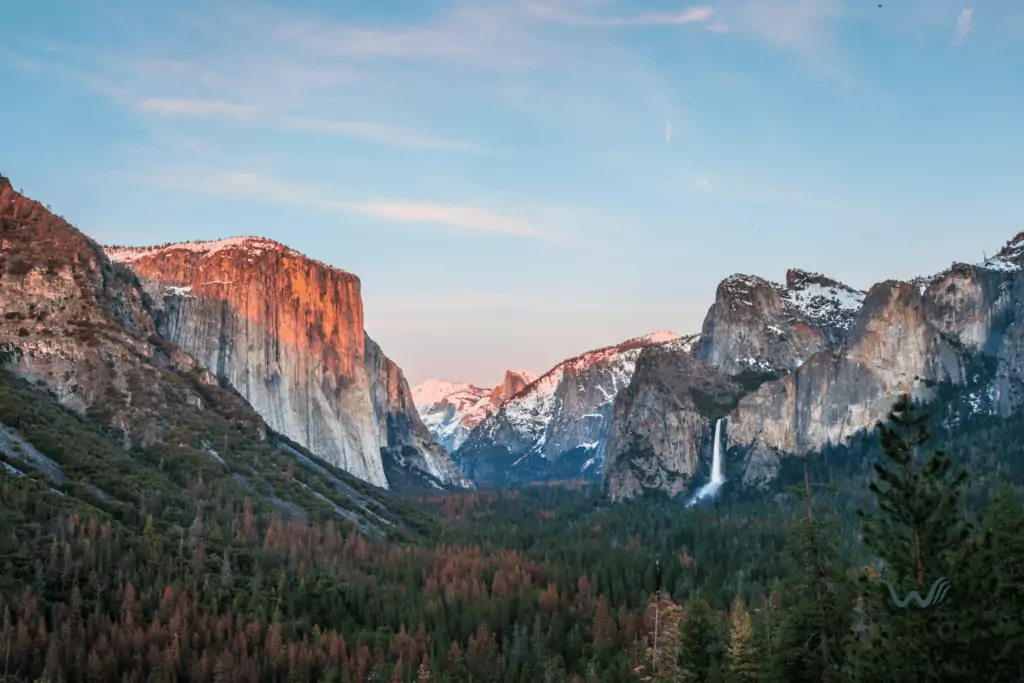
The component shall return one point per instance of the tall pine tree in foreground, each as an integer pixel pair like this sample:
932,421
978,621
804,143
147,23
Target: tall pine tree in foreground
1001,558
918,536
811,639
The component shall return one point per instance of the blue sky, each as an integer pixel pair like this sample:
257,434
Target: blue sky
518,181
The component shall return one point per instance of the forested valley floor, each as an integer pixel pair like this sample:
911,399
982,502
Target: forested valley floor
159,565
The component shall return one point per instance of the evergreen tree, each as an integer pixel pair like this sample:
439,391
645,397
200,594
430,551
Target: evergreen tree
226,579
1002,597
918,536
700,642
742,658
817,608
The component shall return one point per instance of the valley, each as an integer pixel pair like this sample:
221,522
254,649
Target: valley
211,472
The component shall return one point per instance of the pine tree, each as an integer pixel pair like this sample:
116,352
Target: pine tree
226,579
1001,560
742,659
603,627
700,642
919,537
817,607
662,621
811,639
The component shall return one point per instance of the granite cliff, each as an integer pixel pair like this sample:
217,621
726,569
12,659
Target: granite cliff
103,412
408,445
287,333
815,362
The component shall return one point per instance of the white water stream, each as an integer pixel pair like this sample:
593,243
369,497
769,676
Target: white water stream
711,488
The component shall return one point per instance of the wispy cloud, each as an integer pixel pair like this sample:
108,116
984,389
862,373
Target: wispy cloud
794,24
466,217
379,132
963,26
197,108
549,12
702,183
236,185
668,131
487,37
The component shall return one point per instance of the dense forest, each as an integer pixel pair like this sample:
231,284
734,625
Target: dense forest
158,566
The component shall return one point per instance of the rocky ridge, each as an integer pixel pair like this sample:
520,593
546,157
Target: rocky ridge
451,410
555,427
287,332
835,369
762,326
88,386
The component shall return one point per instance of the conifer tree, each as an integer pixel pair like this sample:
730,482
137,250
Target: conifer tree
919,537
817,608
1001,560
700,642
812,636
742,658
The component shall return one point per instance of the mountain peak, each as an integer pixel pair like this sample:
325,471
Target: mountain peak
797,278
659,337
1010,257
250,243
246,245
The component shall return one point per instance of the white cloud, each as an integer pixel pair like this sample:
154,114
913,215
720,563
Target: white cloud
465,217
197,108
702,183
691,15
668,131
963,25
794,24
482,37
379,132
281,191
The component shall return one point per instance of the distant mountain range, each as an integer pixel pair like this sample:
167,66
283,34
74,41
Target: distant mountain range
552,428
791,367
139,339
452,409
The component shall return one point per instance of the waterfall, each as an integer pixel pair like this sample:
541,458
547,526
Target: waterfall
717,478
716,461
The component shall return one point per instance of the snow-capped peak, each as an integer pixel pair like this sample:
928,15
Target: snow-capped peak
659,337
811,296
435,391
821,299
450,410
244,246
254,245
1009,258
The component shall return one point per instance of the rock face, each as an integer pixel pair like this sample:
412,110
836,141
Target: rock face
515,381
287,333
557,426
81,327
835,369
663,422
756,325
451,410
407,440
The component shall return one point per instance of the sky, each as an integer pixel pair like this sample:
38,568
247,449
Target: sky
516,182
